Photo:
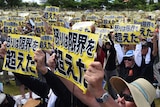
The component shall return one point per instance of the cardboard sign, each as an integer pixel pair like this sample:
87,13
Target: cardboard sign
147,27
127,33
75,51
20,54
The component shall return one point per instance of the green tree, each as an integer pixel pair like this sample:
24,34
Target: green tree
13,3
2,3
55,2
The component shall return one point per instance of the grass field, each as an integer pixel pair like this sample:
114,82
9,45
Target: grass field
12,89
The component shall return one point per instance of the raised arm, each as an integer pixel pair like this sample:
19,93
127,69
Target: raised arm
94,76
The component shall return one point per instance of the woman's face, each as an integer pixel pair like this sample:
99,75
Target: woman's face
125,99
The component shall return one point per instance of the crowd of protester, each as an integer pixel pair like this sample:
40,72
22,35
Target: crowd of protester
119,65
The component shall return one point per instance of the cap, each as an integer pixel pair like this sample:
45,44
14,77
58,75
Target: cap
129,53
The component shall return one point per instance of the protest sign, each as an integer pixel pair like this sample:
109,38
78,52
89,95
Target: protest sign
50,12
20,51
75,51
10,27
126,33
147,27
46,42
83,26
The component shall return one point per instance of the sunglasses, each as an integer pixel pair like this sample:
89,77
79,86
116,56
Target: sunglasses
129,59
127,97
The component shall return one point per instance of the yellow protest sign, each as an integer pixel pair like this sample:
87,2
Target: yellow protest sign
75,51
147,27
83,26
10,27
103,33
108,20
126,33
46,42
76,19
92,18
50,12
51,9
20,54
39,27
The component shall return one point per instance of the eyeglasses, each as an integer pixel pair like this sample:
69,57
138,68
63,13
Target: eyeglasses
129,59
127,97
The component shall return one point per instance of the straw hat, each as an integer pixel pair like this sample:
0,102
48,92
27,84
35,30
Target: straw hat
31,103
142,91
2,97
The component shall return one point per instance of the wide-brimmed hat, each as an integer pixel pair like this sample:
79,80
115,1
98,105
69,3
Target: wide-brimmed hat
2,97
142,91
31,103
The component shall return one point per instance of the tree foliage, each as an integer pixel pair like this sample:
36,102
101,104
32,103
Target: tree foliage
13,3
87,4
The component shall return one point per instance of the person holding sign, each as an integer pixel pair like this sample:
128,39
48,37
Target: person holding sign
63,88
110,64
139,93
146,53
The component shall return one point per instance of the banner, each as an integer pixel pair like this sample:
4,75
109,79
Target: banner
75,51
46,42
20,54
126,33
10,27
50,12
147,27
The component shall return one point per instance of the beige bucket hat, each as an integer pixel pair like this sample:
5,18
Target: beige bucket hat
142,91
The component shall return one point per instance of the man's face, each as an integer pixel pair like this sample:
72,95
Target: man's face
129,62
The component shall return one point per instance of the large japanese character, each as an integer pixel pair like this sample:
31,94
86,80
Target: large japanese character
133,38
126,38
20,59
65,41
30,62
142,31
28,43
70,67
22,43
60,63
81,43
118,37
90,47
34,45
72,41
56,36
11,60
81,68
148,32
